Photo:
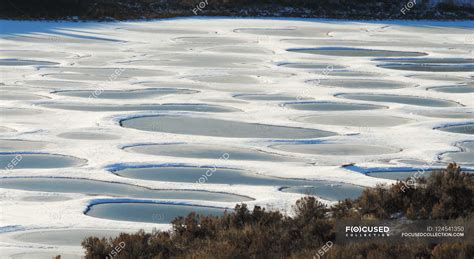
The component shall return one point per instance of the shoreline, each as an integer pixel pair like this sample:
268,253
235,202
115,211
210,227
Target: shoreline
465,23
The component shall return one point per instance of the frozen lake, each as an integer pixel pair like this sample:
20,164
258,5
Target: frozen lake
118,126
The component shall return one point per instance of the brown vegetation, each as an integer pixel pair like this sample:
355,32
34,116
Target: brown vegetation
259,233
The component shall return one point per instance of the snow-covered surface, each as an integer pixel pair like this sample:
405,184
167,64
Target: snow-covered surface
244,63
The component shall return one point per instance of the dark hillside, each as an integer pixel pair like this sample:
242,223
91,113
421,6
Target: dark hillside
139,9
